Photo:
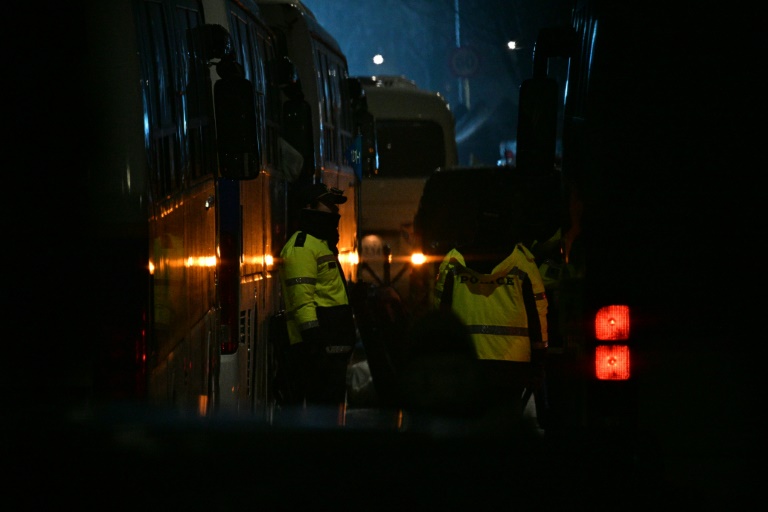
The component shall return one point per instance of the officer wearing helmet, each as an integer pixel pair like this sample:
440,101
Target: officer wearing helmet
321,325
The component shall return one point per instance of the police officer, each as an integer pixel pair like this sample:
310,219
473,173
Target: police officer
493,284
320,321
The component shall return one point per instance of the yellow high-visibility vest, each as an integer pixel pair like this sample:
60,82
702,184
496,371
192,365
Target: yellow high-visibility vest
492,306
311,278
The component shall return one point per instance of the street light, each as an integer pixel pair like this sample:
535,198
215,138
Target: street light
378,59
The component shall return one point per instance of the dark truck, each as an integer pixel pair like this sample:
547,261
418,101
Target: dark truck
591,193
654,284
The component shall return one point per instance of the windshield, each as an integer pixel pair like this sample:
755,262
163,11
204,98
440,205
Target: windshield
409,148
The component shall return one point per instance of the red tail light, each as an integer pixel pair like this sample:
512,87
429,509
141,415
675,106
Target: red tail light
612,362
612,323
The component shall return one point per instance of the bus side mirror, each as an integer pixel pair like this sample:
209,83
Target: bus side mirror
365,128
297,131
236,132
537,125
539,102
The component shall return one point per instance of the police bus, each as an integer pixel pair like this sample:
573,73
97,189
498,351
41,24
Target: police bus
415,134
321,69
189,190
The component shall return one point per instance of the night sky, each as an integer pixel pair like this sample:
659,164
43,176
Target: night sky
418,38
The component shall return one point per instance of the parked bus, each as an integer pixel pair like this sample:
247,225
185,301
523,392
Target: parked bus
190,180
321,69
415,134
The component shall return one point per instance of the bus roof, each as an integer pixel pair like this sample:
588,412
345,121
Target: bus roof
407,103
388,81
313,24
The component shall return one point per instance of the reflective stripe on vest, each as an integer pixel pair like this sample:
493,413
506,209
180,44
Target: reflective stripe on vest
325,259
300,280
501,330
309,325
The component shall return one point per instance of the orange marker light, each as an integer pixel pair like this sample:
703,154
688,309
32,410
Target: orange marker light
418,258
